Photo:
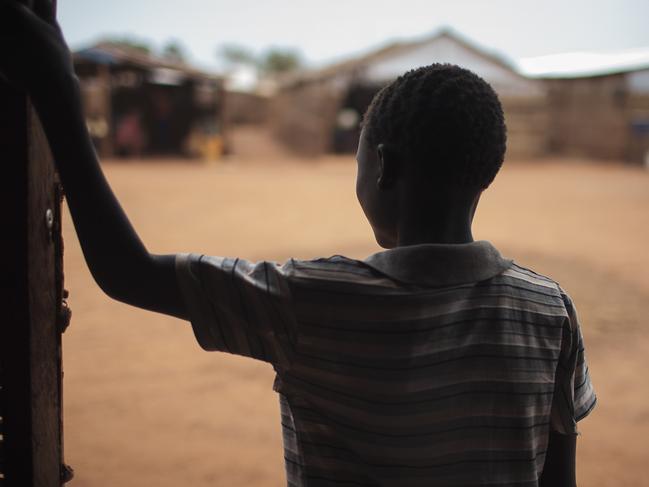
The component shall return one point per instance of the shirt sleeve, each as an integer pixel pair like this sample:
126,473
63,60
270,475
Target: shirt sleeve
574,396
239,307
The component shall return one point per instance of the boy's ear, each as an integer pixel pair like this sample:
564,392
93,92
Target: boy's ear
388,165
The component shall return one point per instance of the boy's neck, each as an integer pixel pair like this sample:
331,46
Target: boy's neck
444,221
435,234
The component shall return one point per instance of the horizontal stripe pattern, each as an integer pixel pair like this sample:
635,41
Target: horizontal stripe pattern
383,382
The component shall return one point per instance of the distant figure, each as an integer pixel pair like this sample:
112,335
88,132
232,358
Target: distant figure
163,136
129,135
436,362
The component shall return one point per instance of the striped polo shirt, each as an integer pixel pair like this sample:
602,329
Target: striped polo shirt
421,365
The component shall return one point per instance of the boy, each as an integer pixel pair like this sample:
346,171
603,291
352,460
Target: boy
435,362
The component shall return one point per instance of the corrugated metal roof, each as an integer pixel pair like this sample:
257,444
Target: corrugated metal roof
113,53
582,64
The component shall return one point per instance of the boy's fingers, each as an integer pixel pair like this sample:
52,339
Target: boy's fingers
18,20
12,7
45,10
10,18
13,11
12,14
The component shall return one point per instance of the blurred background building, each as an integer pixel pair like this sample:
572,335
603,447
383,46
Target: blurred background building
318,111
598,110
598,102
139,104
591,105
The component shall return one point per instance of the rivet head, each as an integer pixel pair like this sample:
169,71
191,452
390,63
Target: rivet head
49,219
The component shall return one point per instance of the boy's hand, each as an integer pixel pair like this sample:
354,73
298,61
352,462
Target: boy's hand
33,52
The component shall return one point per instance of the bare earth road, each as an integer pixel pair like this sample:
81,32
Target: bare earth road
144,406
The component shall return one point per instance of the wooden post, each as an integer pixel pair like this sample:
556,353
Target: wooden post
33,315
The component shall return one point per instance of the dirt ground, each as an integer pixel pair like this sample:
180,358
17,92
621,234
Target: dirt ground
145,406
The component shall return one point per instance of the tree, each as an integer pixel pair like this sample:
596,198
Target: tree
280,60
174,51
273,61
235,54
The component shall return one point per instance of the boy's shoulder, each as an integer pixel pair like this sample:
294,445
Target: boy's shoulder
335,269
542,284
529,275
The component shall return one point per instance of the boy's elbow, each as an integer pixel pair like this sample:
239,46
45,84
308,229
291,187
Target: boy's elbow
122,282
148,284
116,289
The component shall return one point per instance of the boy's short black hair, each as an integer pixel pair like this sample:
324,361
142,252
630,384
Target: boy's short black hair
444,115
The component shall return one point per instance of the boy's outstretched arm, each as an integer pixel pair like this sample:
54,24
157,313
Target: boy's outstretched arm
35,57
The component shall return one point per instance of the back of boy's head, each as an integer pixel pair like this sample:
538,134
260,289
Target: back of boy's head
445,119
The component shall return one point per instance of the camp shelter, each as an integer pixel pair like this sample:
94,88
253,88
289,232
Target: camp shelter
598,102
137,103
318,111
246,108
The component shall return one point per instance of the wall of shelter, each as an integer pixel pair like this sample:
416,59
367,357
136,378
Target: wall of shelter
527,120
589,117
303,116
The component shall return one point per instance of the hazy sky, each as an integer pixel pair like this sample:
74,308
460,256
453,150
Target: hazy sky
329,29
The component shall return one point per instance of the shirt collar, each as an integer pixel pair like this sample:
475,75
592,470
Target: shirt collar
440,264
